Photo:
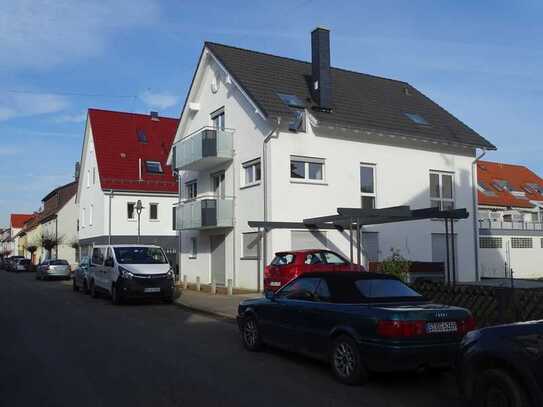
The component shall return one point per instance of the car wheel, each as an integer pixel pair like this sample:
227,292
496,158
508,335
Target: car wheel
93,292
116,298
346,362
250,334
74,285
496,387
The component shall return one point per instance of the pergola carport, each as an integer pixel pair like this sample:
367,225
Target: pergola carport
353,219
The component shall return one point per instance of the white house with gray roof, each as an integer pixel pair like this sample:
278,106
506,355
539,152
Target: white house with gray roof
268,138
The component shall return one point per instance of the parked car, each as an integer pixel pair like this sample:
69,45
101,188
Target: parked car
80,276
131,271
290,264
24,265
357,322
503,365
12,262
53,269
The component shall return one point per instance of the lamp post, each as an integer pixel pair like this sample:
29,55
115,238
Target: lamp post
139,208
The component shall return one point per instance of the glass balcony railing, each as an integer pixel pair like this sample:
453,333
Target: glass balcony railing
205,213
203,149
511,225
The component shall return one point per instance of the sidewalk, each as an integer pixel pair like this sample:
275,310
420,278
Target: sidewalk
225,306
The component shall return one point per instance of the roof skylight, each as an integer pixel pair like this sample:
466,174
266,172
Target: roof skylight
291,100
153,167
417,118
142,137
485,189
501,185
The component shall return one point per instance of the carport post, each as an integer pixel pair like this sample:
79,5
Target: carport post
351,237
447,250
453,253
358,241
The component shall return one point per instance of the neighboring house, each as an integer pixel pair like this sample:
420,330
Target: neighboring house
31,235
5,242
510,220
59,222
123,160
17,221
263,137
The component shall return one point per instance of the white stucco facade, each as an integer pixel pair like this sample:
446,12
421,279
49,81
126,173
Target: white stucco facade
64,225
402,177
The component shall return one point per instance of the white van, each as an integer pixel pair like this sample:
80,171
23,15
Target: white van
131,271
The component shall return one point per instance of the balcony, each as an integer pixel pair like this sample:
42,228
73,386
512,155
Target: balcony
517,226
205,213
204,149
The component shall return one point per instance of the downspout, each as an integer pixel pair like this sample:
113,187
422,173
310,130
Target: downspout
265,196
476,212
56,237
109,216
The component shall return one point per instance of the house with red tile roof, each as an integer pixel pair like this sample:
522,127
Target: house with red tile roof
10,240
123,161
510,201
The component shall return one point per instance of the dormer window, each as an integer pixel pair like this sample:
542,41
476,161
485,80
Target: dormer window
142,137
153,167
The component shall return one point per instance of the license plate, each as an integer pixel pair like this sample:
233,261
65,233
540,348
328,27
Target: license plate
151,290
441,327
275,283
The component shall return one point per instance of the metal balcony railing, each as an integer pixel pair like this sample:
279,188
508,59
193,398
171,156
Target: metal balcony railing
205,213
203,149
498,224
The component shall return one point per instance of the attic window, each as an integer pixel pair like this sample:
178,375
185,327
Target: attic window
501,185
533,188
142,137
291,100
417,118
485,189
153,167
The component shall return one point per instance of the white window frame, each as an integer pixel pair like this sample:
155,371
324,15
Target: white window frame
83,214
161,170
188,186
441,200
214,115
93,175
251,166
157,217
307,161
244,256
193,248
91,214
88,178
133,218
368,194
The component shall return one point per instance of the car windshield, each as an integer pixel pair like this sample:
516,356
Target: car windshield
58,263
139,255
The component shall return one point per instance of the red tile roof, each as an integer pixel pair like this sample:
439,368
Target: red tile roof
118,150
517,177
18,220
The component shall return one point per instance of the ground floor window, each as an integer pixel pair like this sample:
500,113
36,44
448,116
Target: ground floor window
522,243
486,242
193,247
250,245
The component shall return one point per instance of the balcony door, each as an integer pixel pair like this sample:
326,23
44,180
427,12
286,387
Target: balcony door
218,257
217,181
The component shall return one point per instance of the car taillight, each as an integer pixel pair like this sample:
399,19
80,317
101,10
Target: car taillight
467,325
267,272
401,329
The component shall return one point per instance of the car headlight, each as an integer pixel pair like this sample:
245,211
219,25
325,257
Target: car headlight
125,273
169,274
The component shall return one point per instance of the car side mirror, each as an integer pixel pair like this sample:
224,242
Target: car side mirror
270,295
108,262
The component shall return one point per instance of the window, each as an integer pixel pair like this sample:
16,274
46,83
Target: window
486,242
83,215
153,211
93,175
417,118
142,137
291,100
250,245
91,213
252,172
441,191
98,256
333,258
522,243
217,181
314,258
323,292
367,186
300,288
283,259
140,255
153,167
130,210
308,169
88,178
191,189
384,288
542,242
217,119
193,247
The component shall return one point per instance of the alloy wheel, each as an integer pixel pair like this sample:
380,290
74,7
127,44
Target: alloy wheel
250,332
344,359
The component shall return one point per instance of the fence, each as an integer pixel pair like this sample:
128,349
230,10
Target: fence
489,305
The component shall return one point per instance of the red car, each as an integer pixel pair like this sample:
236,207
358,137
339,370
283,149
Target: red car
288,265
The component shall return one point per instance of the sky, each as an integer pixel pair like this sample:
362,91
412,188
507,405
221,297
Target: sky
481,60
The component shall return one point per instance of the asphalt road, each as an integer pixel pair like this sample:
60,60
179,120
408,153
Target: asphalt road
60,348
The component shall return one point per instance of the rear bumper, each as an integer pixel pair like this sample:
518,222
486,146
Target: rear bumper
141,287
57,273
389,358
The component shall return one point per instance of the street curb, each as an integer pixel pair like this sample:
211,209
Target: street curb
218,315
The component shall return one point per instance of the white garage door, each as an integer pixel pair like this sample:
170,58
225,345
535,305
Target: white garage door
303,239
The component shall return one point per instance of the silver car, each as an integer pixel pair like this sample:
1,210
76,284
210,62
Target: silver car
53,268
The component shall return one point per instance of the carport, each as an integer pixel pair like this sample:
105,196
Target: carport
353,219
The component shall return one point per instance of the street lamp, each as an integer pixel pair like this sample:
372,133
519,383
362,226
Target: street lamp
139,208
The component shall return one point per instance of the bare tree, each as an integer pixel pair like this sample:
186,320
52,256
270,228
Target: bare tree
49,242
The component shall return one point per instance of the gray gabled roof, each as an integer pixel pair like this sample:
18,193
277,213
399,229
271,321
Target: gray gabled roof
358,100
